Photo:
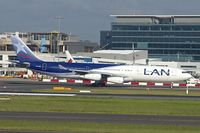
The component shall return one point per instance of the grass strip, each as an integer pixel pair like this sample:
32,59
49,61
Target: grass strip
56,126
101,105
129,90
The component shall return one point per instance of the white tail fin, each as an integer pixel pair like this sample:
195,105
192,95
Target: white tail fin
70,59
24,54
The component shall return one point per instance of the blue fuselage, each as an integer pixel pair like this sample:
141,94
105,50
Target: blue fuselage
54,67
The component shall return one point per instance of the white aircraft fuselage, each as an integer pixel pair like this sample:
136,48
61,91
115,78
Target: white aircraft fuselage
145,73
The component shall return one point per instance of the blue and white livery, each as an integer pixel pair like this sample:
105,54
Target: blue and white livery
98,72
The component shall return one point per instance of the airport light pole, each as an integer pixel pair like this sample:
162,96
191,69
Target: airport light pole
187,89
59,18
133,48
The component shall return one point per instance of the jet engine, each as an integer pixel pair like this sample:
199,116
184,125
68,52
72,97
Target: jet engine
117,80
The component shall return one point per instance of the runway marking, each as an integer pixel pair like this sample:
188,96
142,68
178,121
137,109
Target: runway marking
34,94
85,91
4,99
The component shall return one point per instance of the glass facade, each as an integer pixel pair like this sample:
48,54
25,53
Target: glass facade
172,38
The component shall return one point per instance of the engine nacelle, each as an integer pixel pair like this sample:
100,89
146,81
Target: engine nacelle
117,80
93,76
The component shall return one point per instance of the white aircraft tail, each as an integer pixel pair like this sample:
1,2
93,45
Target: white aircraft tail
70,59
24,54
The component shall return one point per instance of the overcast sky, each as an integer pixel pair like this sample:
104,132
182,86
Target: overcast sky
82,17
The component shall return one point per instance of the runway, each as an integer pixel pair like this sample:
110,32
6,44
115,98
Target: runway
130,96
23,85
104,118
17,84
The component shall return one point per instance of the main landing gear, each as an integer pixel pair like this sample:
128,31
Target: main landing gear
99,84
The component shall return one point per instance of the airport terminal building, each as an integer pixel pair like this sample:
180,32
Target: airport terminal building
166,37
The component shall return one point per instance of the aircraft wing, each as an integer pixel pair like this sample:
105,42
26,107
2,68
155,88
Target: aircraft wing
94,71
14,61
105,73
78,71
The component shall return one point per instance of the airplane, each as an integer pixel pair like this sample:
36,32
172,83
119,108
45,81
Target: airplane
70,59
114,73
